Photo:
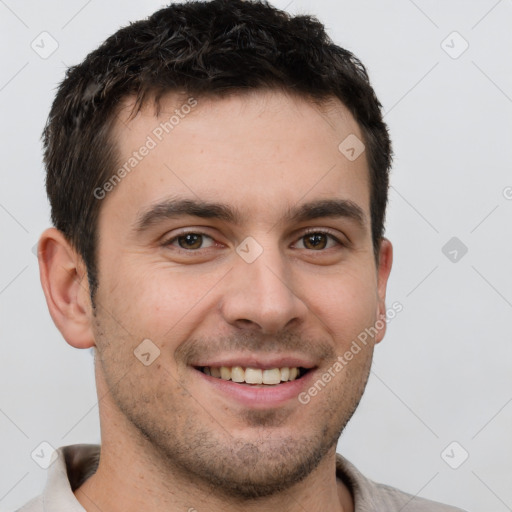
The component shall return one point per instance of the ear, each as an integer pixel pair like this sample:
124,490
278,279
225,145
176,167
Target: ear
64,280
383,271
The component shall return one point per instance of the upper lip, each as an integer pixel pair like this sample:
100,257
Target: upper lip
258,361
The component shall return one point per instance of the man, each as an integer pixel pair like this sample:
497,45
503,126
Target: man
218,179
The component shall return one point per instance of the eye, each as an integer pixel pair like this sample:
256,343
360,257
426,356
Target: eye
194,241
318,240
191,241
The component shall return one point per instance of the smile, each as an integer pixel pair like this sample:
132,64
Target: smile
254,376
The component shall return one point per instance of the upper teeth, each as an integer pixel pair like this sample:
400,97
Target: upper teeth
252,375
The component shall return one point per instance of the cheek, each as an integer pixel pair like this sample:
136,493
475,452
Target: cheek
345,303
154,299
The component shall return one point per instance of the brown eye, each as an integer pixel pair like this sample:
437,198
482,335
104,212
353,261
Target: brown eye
191,241
315,241
318,240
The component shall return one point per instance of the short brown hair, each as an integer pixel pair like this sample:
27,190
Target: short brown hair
198,48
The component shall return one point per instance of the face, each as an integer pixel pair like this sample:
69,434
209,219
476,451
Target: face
241,240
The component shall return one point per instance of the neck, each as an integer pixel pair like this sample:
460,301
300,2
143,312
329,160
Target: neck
132,475
121,484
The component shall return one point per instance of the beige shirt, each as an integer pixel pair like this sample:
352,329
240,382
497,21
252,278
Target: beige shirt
75,463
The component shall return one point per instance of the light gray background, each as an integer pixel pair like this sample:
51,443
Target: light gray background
443,372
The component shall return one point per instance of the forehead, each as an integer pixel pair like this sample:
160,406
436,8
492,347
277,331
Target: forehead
259,151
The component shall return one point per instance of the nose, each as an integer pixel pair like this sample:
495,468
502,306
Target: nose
262,295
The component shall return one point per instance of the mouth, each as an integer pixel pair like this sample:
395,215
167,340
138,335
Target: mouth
256,381
255,377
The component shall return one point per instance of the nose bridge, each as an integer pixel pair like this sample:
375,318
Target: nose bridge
261,292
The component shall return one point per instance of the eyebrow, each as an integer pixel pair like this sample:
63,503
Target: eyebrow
175,208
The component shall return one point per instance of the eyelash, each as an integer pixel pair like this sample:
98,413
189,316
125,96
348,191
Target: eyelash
310,231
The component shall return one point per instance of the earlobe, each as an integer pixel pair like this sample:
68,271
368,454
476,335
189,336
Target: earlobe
64,281
383,271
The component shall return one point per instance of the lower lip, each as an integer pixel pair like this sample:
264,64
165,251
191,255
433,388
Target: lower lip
262,397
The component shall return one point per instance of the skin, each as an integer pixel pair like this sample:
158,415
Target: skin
171,440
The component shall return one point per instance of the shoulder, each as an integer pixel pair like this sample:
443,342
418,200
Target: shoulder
409,503
34,505
370,495
71,466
